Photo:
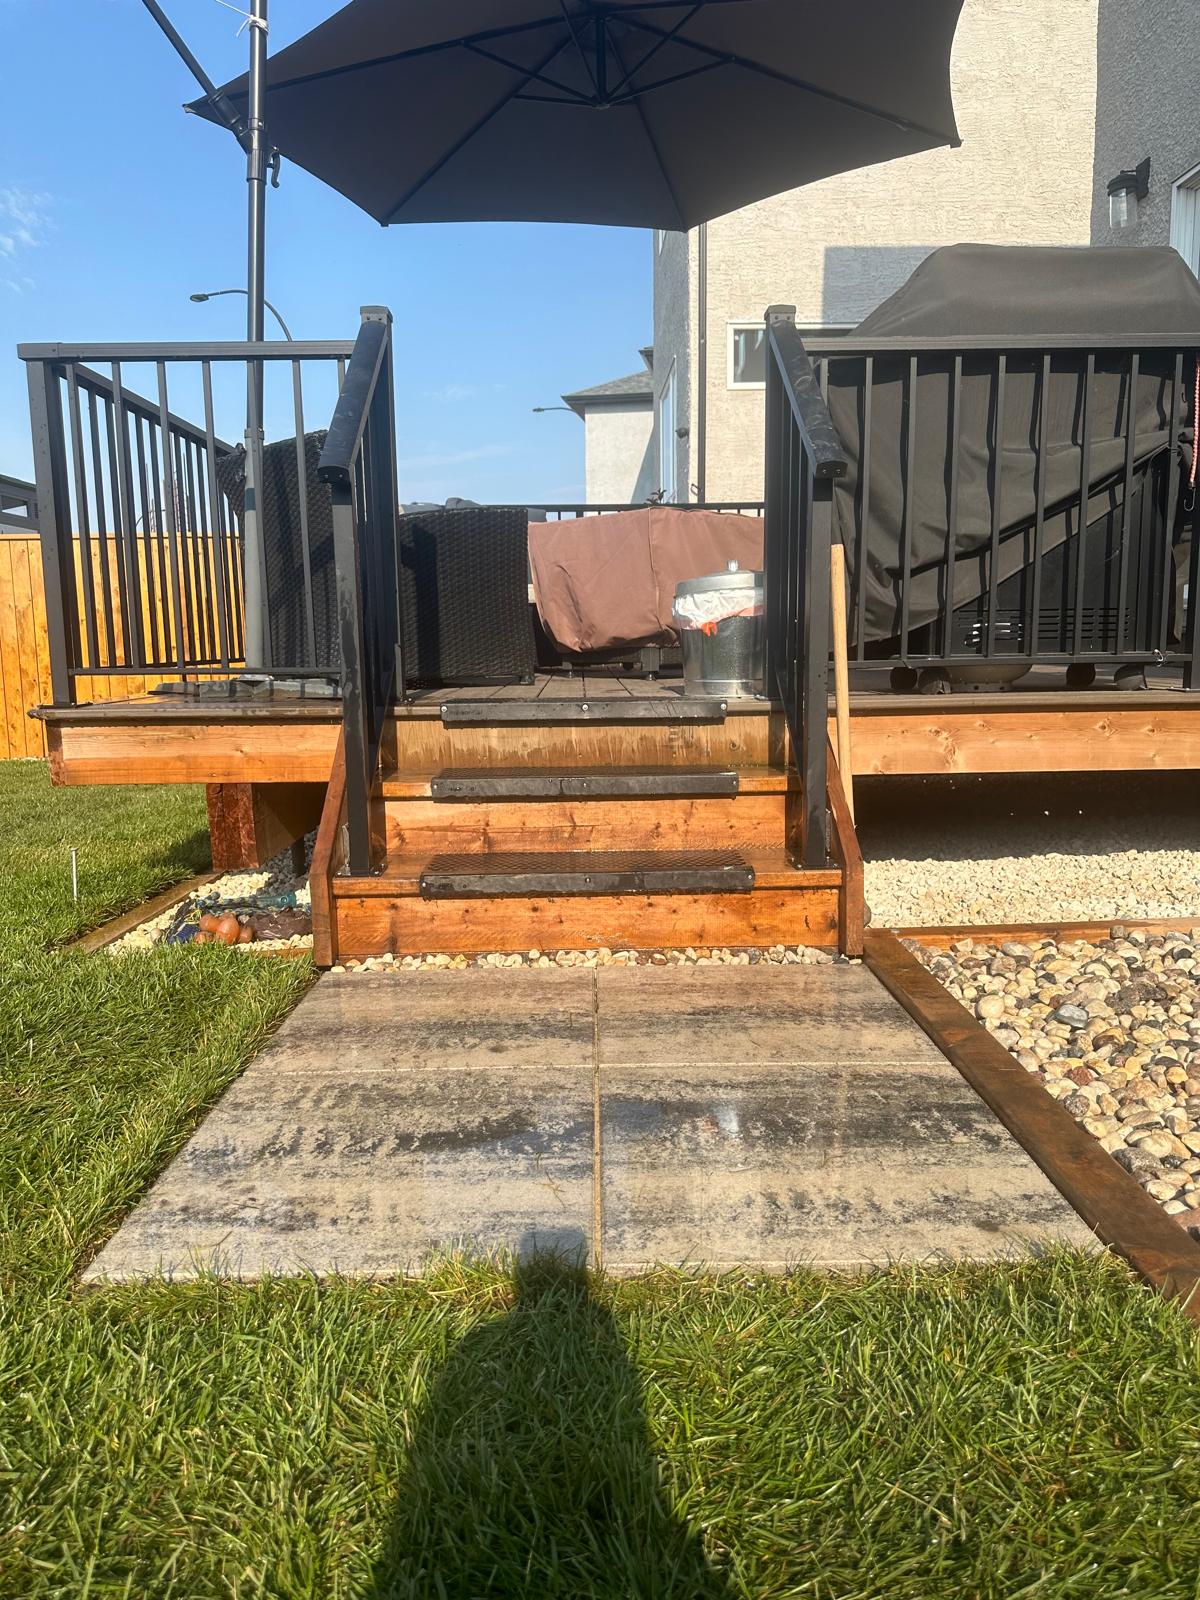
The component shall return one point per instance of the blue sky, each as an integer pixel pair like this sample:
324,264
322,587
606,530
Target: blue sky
114,206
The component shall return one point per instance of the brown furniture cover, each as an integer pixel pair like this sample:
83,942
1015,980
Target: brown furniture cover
604,583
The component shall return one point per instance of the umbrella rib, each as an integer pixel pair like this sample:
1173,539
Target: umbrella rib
578,43
515,66
653,143
476,128
722,57
655,48
676,77
406,55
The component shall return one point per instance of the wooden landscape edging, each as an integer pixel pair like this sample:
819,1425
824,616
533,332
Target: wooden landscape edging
1030,933
1113,1205
109,932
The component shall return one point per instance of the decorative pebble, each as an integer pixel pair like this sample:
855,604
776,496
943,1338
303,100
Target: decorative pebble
1094,1022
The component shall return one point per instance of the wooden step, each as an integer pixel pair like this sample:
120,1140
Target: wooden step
773,869
533,874
600,783
785,906
556,713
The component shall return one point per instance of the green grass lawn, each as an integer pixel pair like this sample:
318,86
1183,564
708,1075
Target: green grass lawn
1013,1431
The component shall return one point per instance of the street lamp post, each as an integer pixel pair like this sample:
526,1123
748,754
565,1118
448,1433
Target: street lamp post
211,294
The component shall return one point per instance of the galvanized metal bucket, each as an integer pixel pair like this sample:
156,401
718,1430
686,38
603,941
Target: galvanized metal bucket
725,656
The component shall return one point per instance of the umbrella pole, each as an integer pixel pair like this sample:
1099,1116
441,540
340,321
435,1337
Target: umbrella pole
258,649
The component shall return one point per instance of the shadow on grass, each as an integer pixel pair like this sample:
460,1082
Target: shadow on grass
530,1469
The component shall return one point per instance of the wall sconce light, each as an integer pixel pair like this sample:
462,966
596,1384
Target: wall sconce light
1124,192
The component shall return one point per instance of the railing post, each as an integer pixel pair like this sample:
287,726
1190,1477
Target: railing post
387,491
774,508
354,688
814,668
1191,630
54,526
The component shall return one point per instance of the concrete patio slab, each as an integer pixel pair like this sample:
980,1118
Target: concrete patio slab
758,1115
330,1174
814,1163
358,1022
659,1016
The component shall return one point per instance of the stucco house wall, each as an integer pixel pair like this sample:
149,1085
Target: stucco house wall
1024,75
619,464
1148,104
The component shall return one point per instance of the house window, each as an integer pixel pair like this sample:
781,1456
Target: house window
747,349
666,437
1185,218
747,356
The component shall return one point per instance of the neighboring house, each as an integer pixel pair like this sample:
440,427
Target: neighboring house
1148,106
1025,83
618,421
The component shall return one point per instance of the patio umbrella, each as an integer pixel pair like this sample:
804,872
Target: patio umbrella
641,113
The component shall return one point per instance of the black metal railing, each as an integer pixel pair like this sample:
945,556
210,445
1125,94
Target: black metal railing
18,505
1015,504
142,517
804,458
566,513
359,465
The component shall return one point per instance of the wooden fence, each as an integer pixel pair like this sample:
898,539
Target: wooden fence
24,651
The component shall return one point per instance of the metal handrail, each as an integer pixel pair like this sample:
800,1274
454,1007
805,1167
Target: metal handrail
358,463
803,394
349,422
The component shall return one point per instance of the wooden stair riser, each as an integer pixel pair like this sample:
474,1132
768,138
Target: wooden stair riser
371,925
424,745
743,822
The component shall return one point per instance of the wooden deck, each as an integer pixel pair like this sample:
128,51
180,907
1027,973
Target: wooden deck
1037,727
700,778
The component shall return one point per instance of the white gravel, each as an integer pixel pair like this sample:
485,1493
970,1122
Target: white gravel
1015,849
277,877
692,956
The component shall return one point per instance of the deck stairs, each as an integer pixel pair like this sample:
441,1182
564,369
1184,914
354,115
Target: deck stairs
632,822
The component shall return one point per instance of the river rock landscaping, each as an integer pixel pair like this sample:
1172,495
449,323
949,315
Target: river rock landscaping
1111,1028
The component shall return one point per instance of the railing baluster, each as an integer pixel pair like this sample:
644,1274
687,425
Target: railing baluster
114,497
220,546
864,520
83,520
1127,499
1085,481
993,594
98,495
1039,515
310,617
164,433
1170,587
910,498
956,382
152,584
135,651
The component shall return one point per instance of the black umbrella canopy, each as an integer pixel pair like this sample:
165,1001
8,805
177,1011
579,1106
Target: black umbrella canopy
639,113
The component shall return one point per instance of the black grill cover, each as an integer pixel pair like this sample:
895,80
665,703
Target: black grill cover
996,292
